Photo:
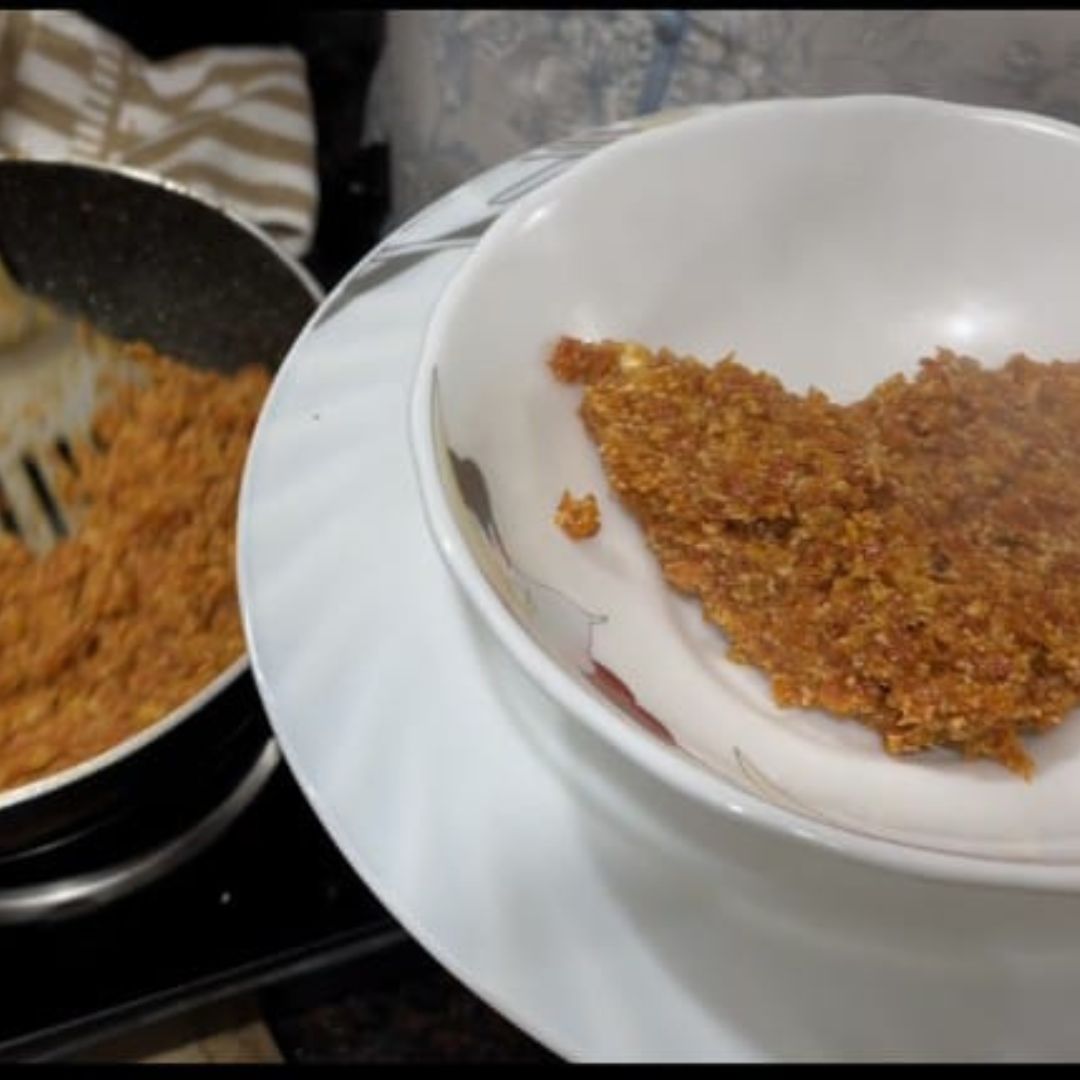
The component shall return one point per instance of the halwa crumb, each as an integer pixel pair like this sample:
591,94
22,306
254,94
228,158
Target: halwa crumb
578,518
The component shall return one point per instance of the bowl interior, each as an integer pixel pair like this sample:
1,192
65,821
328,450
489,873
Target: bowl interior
831,242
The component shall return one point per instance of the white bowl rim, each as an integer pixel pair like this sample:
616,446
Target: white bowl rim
678,770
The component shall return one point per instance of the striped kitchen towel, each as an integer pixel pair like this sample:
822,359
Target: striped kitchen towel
233,124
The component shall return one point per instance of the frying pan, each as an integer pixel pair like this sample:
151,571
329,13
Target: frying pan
143,260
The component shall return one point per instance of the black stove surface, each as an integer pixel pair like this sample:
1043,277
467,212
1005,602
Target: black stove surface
270,902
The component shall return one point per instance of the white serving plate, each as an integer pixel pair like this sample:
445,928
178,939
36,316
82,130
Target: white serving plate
601,911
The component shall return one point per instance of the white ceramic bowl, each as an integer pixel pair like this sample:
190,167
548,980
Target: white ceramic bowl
832,242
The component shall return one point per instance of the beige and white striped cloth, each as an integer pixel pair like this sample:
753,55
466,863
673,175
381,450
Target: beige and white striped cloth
233,124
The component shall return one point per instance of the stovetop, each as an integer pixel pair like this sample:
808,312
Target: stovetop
271,902
270,908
